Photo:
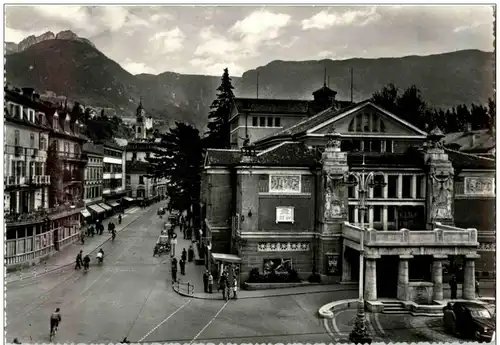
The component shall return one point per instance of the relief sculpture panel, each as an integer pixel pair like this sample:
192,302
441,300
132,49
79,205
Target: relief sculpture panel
334,205
441,200
284,183
479,186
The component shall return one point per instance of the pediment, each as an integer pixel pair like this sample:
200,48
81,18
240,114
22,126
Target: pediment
368,119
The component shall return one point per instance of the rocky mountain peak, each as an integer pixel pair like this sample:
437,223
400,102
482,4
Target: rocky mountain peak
66,35
49,35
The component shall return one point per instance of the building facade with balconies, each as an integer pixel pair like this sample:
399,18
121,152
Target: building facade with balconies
93,182
114,174
26,180
289,201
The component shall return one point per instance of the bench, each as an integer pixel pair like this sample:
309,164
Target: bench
198,259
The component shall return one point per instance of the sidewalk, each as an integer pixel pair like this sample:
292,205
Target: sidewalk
67,255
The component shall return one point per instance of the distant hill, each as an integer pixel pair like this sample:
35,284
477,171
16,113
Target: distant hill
76,69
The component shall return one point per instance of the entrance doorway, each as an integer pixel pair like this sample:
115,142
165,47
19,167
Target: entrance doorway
387,276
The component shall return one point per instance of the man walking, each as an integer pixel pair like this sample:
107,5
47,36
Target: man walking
210,282
174,269
182,264
79,260
205,281
453,287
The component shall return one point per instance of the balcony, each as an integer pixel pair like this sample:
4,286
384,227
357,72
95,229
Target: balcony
15,181
442,236
21,219
72,156
66,209
71,177
39,180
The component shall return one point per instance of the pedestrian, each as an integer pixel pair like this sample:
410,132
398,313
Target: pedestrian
190,254
453,287
79,260
82,237
478,294
205,281
190,233
182,264
184,254
210,282
184,233
92,231
223,285
235,288
110,227
174,269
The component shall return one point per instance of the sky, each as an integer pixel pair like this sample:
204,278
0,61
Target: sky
206,39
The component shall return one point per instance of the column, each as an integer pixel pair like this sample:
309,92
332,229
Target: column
346,267
370,279
356,214
385,189
400,186
403,278
414,186
356,192
384,217
437,277
468,287
370,216
18,201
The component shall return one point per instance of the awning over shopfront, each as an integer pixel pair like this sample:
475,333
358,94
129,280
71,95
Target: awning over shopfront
85,213
226,258
96,209
127,198
106,207
113,204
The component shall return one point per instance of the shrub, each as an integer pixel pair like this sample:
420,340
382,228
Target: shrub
254,275
314,278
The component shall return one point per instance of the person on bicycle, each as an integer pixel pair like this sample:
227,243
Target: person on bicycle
55,319
86,262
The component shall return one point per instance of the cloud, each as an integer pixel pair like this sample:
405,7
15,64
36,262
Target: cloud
325,19
211,67
167,41
137,67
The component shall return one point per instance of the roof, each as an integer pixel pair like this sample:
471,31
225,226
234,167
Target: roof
463,160
284,154
93,148
137,166
266,105
483,141
311,122
113,145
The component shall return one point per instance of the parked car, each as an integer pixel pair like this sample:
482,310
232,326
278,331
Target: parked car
469,320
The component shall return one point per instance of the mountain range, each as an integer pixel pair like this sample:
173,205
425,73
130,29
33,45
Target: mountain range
71,66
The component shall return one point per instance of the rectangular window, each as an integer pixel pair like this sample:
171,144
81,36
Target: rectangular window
392,186
16,138
378,190
269,121
388,146
376,146
351,214
391,213
350,192
255,121
262,122
356,145
377,213
406,186
420,186
32,140
277,122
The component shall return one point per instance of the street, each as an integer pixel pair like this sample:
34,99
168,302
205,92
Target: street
131,296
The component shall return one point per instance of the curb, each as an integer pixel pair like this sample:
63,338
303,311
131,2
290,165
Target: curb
197,295
70,264
327,310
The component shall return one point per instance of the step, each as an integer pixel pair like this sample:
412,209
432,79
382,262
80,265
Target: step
404,311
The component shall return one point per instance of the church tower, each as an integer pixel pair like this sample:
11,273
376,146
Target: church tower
140,122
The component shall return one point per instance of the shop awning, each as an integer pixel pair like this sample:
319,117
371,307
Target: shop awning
113,204
85,213
225,257
96,209
106,207
127,198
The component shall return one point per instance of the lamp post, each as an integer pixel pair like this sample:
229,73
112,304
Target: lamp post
359,334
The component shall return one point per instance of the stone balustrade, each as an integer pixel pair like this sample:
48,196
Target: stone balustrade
444,235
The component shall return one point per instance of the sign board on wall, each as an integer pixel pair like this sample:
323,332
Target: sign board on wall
332,263
285,214
479,186
284,183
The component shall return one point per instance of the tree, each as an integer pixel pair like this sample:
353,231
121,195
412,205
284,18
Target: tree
218,135
492,116
178,158
387,98
55,171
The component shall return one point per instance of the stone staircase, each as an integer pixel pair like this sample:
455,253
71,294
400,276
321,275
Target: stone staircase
394,307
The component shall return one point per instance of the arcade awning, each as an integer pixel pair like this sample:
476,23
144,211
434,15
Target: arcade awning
113,204
106,207
127,198
226,257
96,209
85,213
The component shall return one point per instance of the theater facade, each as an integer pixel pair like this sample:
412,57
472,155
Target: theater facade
288,198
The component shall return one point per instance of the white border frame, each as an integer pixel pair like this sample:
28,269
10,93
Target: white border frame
278,210
285,191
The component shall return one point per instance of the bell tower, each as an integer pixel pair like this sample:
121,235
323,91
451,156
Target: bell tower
140,122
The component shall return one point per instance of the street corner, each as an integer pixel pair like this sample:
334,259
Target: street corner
342,322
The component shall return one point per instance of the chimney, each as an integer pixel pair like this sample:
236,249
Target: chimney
28,92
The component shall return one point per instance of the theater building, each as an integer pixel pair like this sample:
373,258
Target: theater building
288,199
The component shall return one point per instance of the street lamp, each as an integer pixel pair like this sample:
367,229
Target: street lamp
359,334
